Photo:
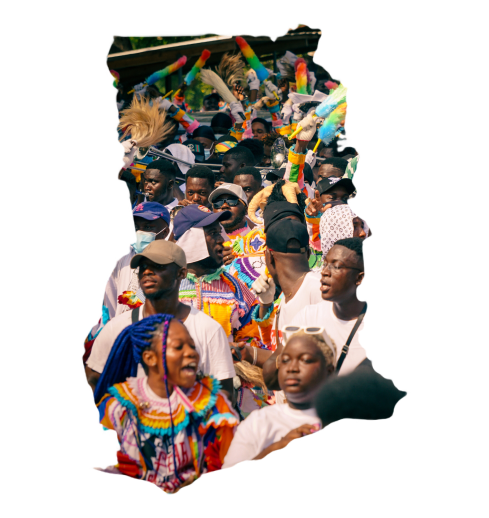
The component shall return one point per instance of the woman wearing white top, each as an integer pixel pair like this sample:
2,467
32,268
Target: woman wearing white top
307,359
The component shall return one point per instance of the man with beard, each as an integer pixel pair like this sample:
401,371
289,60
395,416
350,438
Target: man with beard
162,266
227,300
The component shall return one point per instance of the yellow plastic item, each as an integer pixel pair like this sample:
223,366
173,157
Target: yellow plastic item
298,130
144,84
316,146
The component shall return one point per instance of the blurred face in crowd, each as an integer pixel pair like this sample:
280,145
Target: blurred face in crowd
229,166
236,206
155,225
249,184
158,186
302,368
327,170
259,130
266,161
326,152
211,104
206,142
341,274
358,230
198,191
335,196
214,240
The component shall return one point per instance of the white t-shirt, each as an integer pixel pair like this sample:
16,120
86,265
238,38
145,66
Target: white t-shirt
338,330
264,427
121,279
210,342
308,293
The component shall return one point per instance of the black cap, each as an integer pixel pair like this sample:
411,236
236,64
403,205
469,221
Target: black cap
282,232
275,173
221,121
278,210
204,131
327,184
197,149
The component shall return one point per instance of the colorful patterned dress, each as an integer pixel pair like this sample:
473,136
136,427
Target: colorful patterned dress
204,425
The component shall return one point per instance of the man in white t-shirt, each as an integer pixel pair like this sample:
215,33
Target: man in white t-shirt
162,266
287,260
342,273
149,218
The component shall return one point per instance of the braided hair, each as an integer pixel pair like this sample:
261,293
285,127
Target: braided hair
126,354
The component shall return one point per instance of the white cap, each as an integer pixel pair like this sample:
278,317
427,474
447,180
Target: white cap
229,188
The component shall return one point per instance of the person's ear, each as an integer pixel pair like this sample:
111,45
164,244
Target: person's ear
360,277
149,358
171,182
330,369
182,274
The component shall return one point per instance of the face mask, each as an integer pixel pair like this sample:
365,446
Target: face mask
207,153
143,239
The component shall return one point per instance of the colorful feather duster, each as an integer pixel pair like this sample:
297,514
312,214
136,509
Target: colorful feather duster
337,97
160,74
198,65
301,76
146,123
116,77
261,72
211,78
231,69
330,126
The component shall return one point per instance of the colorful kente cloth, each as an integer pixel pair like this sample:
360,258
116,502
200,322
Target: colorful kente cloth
228,301
249,249
204,424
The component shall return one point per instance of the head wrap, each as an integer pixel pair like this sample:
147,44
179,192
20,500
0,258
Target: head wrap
182,152
337,223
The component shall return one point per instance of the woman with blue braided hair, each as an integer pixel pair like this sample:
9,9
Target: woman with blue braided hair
171,426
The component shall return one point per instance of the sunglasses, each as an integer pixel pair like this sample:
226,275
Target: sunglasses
232,202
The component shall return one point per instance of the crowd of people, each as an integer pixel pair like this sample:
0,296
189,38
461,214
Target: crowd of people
232,325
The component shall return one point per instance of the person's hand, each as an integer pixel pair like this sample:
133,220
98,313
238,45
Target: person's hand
301,431
130,147
227,255
308,125
286,113
218,183
252,80
264,287
237,112
238,92
140,88
184,202
298,114
239,352
165,104
259,104
315,207
270,88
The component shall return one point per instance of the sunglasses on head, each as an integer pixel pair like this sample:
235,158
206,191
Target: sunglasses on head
232,202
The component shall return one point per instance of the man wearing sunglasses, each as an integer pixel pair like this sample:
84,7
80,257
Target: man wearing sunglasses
231,197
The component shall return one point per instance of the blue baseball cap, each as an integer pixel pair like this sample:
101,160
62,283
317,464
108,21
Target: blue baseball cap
196,216
151,210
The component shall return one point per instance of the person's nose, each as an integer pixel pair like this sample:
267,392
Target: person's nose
362,234
196,198
326,272
190,352
292,366
222,170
